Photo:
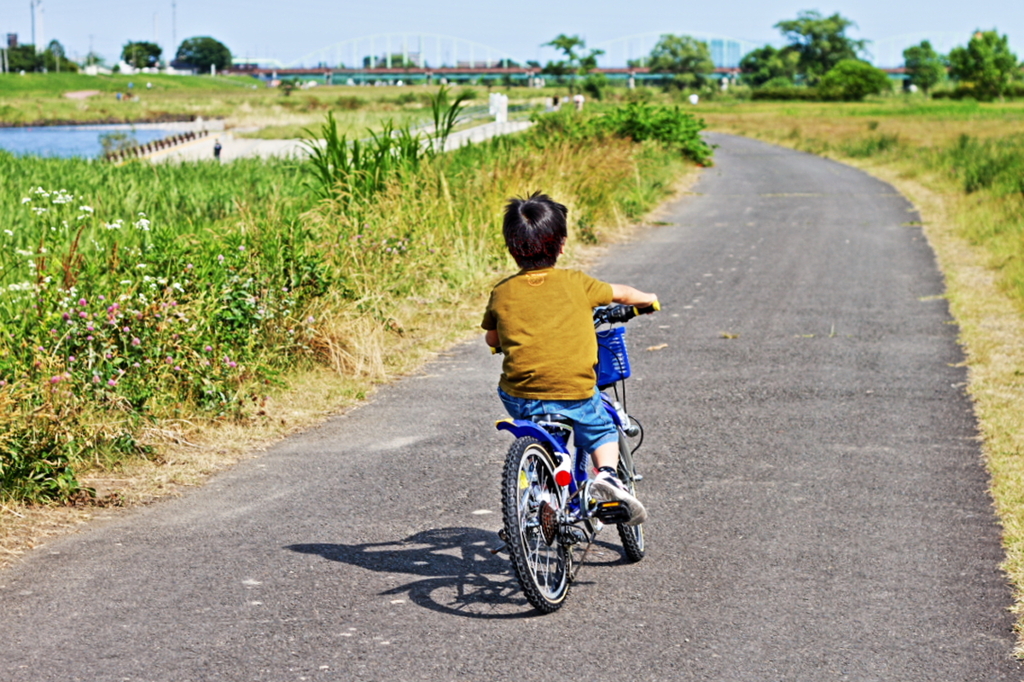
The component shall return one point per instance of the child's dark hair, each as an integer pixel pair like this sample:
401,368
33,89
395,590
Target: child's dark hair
535,230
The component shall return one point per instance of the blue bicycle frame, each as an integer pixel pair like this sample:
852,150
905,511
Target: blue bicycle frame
558,435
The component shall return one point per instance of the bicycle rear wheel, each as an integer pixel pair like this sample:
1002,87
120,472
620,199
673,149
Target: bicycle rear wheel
542,564
632,536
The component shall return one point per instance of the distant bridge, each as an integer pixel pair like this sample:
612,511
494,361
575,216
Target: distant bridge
390,50
492,75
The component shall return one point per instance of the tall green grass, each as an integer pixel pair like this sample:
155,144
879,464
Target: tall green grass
992,172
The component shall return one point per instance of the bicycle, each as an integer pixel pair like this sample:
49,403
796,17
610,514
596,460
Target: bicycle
546,502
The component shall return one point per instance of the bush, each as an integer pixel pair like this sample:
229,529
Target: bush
851,80
595,84
671,126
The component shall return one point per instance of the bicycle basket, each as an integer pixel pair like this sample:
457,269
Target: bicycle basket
612,358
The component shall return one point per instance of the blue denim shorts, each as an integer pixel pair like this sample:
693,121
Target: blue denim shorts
592,425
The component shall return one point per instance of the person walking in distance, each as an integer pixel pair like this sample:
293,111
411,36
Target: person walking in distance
216,149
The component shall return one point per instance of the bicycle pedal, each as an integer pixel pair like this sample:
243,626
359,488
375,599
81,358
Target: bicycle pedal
611,512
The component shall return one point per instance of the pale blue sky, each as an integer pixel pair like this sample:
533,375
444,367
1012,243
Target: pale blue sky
289,30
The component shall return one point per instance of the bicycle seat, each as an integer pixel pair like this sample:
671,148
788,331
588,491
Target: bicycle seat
551,419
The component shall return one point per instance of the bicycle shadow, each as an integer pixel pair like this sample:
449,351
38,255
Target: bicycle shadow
454,569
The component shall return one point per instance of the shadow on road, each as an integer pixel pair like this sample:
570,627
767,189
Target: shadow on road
459,575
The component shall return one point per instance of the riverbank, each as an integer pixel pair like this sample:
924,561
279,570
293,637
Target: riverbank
161,119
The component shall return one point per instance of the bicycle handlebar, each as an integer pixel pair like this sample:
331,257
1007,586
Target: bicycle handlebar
622,313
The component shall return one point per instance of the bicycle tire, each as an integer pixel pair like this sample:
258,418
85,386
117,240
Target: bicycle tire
632,537
541,564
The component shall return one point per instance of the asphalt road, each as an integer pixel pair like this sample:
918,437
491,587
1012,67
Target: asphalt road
817,497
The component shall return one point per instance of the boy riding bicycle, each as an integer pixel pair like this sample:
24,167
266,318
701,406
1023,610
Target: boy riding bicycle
541,320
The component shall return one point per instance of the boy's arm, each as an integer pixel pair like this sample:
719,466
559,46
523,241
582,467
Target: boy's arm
623,293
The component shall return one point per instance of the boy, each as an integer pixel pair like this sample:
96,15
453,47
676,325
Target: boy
541,319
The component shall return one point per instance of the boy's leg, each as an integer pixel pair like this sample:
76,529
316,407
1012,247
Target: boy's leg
606,455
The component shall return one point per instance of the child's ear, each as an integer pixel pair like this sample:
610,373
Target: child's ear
561,248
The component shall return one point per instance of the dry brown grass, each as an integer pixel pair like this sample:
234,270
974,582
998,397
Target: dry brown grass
790,123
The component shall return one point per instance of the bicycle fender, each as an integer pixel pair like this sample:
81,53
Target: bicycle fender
522,427
610,409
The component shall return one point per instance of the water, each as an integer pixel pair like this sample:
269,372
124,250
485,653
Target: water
68,141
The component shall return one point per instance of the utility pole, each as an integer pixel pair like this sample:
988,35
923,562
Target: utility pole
32,12
174,25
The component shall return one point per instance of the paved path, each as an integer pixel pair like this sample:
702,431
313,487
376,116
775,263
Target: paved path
817,499
242,147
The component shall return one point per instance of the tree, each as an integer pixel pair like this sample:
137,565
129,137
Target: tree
853,80
55,59
821,42
770,64
202,52
141,54
687,58
986,63
24,58
924,65
576,63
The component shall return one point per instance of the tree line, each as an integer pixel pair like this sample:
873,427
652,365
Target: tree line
199,53
820,61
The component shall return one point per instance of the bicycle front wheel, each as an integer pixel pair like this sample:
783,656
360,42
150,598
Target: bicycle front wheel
530,505
632,536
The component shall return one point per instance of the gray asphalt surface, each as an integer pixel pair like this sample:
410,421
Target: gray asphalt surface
817,498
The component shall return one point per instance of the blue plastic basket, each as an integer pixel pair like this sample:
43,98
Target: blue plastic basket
612,358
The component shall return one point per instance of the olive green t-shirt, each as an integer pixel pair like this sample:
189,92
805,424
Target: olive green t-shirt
546,329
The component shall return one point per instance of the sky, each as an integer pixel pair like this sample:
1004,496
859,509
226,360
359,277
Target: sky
288,31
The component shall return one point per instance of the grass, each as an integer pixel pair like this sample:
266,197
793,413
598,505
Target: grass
962,164
130,341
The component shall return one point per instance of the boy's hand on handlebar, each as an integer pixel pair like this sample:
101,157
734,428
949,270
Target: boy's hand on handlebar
649,308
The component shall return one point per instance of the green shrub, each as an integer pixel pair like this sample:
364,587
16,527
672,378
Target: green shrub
595,84
670,126
851,80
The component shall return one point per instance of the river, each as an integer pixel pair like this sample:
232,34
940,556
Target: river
82,140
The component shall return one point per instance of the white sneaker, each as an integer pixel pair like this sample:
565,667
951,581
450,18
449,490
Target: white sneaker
607,486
